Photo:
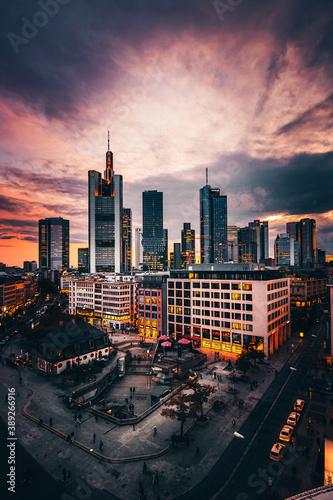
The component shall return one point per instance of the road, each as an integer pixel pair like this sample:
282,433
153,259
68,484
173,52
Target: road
244,469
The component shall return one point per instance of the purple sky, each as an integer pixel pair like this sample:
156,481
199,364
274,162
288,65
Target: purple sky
241,87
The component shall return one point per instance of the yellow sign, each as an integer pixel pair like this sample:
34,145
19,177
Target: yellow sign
85,312
116,318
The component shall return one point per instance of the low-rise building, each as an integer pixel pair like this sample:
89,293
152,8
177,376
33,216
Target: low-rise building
15,292
105,300
228,307
69,346
304,292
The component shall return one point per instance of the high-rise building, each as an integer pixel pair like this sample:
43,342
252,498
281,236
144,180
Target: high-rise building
138,247
213,225
154,236
308,241
293,229
127,239
232,232
247,245
105,219
83,260
188,244
176,257
261,229
53,244
286,251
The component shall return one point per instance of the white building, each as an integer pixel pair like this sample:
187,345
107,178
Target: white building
105,300
228,307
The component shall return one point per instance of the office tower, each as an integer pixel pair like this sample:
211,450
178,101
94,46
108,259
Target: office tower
188,244
247,245
53,244
176,261
232,232
127,240
105,219
154,237
286,251
321,256
261,229
83,260
308,242
213,225
293,229
138,247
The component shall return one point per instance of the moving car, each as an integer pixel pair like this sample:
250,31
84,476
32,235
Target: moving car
286,432
278,451
293,418
299,405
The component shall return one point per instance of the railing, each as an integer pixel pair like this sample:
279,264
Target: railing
313,493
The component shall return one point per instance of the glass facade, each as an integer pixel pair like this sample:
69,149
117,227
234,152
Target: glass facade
154,236
213,226
54,244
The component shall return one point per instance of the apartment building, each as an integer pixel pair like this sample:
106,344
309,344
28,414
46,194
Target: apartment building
152,305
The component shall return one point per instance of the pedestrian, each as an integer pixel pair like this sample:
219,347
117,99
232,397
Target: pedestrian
133,390
233,422
294,472
69,438
94,438
155,430
64,474
144,467
197,451
101,444
50,421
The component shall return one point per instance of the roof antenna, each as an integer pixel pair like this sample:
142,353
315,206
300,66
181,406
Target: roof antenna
206,176
108,140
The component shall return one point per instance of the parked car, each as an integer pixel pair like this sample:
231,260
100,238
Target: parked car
299,405
278,451
286,433
293,418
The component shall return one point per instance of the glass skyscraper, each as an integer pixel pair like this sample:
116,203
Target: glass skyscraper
53,244
188,244
154,236
127,239
261,229
213,226
105,219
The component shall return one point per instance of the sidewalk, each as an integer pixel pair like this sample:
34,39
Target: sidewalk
179,469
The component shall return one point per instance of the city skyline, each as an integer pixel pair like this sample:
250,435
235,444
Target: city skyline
182,87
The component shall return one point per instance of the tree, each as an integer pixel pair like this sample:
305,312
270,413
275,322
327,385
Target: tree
201,393
178,407
243,362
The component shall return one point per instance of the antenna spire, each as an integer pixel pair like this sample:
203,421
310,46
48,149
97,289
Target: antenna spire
206,176
108,140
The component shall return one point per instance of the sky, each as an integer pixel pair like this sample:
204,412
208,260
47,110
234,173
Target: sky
241,87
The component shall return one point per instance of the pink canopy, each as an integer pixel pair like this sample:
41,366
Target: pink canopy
166,344
164,337
184,341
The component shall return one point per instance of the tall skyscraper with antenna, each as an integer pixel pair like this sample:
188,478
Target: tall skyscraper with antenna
213,225
105,212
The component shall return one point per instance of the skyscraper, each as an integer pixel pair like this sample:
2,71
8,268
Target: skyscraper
127,239
247,245
83,260
286,251
53,244
261,229
213,225
308,241
105,219
187,244
233,243
138,247
154,236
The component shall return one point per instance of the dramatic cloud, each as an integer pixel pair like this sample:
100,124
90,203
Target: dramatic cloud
182,85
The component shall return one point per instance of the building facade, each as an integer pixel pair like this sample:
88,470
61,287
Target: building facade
227,308
286,251
232,232
152,305
213,226
262,243
187,244
154,236
304,292
247,245
308,242
105,301
105,214
83,260
16,292
53,244
138,247
127,240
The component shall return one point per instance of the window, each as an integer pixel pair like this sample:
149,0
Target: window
187,303
225,286
204,285
205,334
187,293
215,286
235,286
179,302
171,317
236,296
179,284
196,284
171,284
248,328
171,309
247,296
216,335
236,326
247,286
179,319
226,296
179,310
187,285
179,293
236,338
171,301
225,336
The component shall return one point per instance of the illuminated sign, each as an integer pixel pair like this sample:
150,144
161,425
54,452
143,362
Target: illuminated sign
216,345
85,312
116,318
205,343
